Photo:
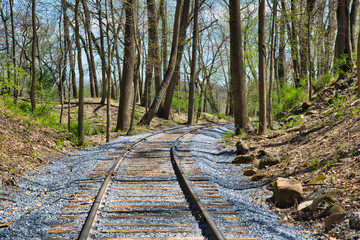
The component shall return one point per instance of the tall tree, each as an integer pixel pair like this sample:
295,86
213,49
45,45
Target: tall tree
292,33
353,17
163,18
81,76
309,9
343,39
165,113
92,67
154,58
13,47
149,115
272,49
282,45
33,57
154,52
102,53
128,67
262,77
108,74
358,63
193,63
237,69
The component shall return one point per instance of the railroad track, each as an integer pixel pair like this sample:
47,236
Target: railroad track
150,189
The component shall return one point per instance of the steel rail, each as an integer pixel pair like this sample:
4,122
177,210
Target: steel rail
85,231
204,217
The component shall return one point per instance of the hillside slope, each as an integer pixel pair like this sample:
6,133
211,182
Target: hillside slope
25,145
320,147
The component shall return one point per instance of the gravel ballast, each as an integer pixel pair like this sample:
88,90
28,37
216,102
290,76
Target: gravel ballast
236,188
41,195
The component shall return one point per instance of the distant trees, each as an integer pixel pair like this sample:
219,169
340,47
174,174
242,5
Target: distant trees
213,64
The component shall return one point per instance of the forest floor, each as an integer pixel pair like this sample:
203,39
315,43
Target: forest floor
320,147
25,144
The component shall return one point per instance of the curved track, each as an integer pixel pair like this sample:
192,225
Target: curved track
152,189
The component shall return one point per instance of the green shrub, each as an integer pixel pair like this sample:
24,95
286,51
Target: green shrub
220,116
288,99
179,103
322,81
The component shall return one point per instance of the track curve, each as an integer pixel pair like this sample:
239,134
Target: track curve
152,190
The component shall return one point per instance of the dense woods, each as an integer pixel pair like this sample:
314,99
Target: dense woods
253,60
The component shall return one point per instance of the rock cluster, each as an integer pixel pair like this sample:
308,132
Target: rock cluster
288,192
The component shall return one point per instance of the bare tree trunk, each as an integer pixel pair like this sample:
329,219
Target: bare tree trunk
149,115
128,70
293,39
309,9
272,49
262,73
331,37
303,44
81,78
165,113
281,58
343,39
72,71
163,10
193,63
102,54
13,49
4,19
118,66
358,63
129,132
67,50
33,57
154,52
353,17
237,69
92,67
108,75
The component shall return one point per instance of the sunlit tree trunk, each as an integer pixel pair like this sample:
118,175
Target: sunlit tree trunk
353,18
102,53
13,48
162,10
262,73
81,77
92,67
343,39
149,115
128,69
237,69
33,57
165,113
193,63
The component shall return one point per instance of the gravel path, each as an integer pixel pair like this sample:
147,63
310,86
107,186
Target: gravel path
41,195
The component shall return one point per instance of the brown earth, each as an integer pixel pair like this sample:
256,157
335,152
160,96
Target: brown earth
320,147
